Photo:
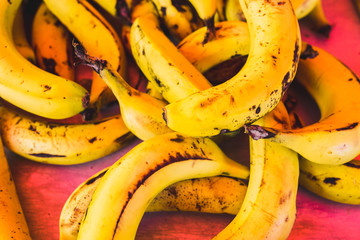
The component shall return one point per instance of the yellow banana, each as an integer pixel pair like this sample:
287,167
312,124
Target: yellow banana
269,207
136,178
52,44
95,33
305,7
233,11
257,88
339,183
206,10
21,82
20,39
212,195
334,139
233,40
62,144
13,223
158,58
141,112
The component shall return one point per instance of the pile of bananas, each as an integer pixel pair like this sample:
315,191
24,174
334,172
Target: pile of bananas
157,62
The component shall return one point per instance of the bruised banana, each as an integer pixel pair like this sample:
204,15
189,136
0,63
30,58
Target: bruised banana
20,39
158,58
232,40
13,223
141,112
269,207
338,183
212,195
95,33
21,82
52,44
62,144
334,138
257,88
136,178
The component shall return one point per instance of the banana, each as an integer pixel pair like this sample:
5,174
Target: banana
62,144
257,88
13,223
95,33
178,19
20,37
339,183
318,21
206,10
232,40
142,113
334,138
158,58
269,207
21,82
212,195
233,11
136,178
52,44
305,7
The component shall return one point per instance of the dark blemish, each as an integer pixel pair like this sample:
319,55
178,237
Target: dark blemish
92,180
47,88
309,175
309,52
296,53
351,126
49,64
163,11
258,109
158,82
32,128
175,26
331,180
325,30
256,132
178,139
124,137
281,3
86,100
92,140
143,52
352,72
286,82
123,11
172,190
46,155
349,164
224,131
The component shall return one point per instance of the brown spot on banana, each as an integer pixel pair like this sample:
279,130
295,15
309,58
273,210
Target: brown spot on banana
46,155
331,180
309,52
351,126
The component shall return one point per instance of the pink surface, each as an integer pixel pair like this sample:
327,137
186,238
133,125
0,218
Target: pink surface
43,189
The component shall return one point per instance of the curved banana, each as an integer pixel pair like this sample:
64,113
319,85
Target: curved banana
339,183
20,39
141,112
210,194
257,88
136,178
13,223
305,7
95,33
233,11
21,82
334,139
232,40
318,21
62,144
269,207
158,58
52,44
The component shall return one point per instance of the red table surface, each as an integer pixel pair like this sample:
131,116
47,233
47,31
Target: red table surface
43,189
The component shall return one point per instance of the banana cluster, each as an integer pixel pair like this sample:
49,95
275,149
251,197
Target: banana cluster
89,57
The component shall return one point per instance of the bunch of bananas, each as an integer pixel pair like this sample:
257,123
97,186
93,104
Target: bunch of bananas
56,89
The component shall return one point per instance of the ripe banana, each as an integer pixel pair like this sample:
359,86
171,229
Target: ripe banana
95,33
141,112
136,178
318,21
257,88
233,11
20,37
52,44
269,207
158,58
13,224
206,9
339,183
212,195
334,139
232,40
62,144
305,7
21,82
